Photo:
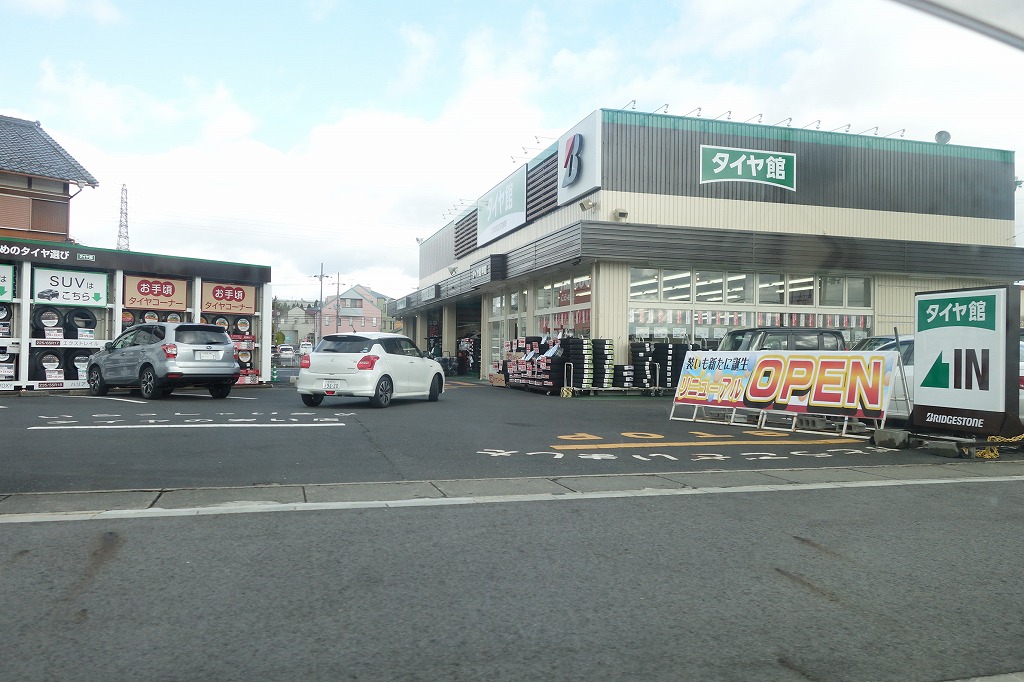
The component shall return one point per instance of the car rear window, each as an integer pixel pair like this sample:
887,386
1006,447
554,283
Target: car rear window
348,344
200,335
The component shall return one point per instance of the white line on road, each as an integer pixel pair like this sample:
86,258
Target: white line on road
106,397
182,426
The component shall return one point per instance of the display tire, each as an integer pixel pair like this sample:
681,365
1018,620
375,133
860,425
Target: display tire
170,317
223,321
311,400
6,312
97,386
148,317
75,358
242,325
39,311
149,386
10,358
78,318
42,358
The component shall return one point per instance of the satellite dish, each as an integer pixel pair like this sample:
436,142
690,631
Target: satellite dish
942,137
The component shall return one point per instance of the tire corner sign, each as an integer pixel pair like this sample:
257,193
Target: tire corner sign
69,288
6,283
155,293
228,298
966,361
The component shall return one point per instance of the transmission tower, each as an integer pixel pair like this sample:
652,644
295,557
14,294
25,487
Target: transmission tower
122,231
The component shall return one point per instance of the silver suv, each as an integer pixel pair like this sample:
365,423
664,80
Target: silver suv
157,358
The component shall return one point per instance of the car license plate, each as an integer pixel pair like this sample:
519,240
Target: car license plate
207,355
331,385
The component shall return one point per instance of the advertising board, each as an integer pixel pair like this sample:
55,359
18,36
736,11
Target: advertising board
6,283
228,298
69,287
155,293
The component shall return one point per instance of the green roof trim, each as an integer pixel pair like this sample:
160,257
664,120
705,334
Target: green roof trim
801,135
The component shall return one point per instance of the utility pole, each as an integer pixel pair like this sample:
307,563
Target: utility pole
337,303
318,332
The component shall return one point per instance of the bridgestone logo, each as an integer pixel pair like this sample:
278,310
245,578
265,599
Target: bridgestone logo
955,421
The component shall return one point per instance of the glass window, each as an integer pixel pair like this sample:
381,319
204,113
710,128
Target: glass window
709,286
409,348
496,309
543,323
805,341
545,297
739,288
859,291
801,289
643,284
830,291
564,293
829,342
581,289
373,321
513,303
776,341
771,289
676,285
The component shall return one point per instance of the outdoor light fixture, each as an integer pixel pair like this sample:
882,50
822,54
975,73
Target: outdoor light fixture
620,213
452,269
586,205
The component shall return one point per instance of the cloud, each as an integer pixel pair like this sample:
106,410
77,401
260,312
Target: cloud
422,48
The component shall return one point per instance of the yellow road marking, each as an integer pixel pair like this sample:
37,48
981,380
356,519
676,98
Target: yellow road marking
701,434
463,384
768,434
660,444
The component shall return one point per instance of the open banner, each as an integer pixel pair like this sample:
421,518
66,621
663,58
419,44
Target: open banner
839,383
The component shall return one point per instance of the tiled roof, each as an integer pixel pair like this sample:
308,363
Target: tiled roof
26,148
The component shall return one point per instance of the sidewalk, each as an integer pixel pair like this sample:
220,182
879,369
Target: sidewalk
37,507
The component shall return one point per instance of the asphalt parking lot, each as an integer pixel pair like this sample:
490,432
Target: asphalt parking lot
265,436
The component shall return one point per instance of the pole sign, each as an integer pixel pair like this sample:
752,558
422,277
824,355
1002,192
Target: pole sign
69,287
6,283
966,361
729,164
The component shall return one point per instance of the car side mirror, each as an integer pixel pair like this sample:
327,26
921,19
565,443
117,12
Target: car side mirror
108,345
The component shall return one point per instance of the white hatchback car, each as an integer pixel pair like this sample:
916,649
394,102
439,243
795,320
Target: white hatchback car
373,365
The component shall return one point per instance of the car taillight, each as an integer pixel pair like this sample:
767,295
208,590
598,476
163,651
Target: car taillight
367,362
304,362
170,350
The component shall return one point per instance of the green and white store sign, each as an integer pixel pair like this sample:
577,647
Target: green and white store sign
965,360
6,283
730,164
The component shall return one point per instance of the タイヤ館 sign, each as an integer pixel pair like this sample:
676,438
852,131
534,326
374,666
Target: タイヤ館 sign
966,361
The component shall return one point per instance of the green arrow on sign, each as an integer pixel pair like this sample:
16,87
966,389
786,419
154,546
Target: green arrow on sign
3,290
96,296
938,375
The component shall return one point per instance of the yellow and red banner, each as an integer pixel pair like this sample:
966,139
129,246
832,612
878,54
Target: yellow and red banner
843,383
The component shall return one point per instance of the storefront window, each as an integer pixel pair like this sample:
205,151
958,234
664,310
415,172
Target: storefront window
676,285
563,293
545,297
859,291
543,324
581,289
739,288
496,308
513,303
830,291
643,284
709,286
771,289
801,290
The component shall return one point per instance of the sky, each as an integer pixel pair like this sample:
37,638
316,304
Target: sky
333,134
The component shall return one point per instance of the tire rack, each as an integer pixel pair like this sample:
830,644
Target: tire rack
569,390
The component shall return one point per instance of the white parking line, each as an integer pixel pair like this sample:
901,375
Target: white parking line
183,426
106,397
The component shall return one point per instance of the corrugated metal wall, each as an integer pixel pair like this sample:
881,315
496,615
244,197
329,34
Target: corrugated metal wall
654,154
894,298
436,251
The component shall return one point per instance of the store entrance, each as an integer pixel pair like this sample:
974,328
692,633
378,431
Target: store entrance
468,329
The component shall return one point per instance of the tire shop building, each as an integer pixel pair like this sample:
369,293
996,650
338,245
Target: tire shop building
668,228
61,301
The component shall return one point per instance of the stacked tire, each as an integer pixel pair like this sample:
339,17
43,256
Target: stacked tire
669,358
580,352
43,359
76,363
45,317
604,374
77,319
